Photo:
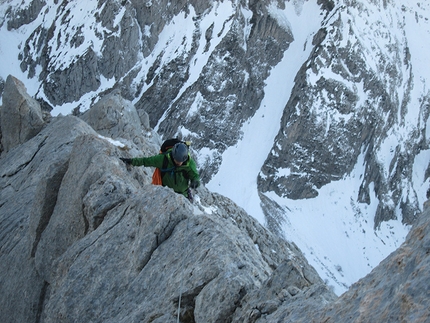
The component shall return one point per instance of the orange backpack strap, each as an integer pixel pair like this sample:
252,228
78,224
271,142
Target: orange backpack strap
156,177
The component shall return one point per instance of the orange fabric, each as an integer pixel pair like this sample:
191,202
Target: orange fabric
156,177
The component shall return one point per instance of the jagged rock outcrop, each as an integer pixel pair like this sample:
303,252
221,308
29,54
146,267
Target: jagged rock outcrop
21,116
31,175
114,117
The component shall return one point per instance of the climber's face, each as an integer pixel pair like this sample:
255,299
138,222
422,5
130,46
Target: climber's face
177,163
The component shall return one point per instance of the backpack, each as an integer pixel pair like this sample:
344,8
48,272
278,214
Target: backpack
157,176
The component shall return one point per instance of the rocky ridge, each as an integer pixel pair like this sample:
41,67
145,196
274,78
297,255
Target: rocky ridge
85,238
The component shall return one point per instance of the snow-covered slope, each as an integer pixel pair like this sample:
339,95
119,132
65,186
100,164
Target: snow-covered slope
313,118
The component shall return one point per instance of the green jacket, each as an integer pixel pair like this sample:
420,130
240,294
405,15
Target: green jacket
175,177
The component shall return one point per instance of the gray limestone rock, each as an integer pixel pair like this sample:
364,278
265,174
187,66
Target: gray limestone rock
108,267
115,117
20,116
116,120
294,287
71,83
25,14
90,162
30,177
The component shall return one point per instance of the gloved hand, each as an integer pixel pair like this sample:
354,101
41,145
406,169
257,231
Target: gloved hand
194,184
127,160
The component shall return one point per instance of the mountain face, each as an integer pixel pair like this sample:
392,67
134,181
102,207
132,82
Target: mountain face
206,78
86,238
348,80
364,105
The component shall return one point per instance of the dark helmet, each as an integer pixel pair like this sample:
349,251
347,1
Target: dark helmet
180,152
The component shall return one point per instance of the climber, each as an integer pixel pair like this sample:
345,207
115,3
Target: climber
178,169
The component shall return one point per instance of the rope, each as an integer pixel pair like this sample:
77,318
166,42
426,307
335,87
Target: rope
183,259
179,303
182,281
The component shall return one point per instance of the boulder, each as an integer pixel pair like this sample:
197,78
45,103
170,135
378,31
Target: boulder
93,162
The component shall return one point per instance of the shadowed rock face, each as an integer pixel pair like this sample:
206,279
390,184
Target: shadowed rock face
85,238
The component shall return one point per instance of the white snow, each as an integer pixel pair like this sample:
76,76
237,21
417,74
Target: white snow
334,231
112,141
194,106
247,15
11,44
280,16
420,166
220,27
